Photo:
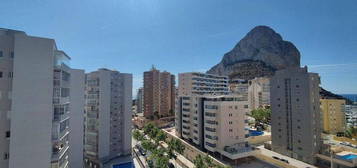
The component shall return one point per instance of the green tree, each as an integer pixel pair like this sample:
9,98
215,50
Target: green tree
162,162
148,128
199,162
148,145
137,135
208,161
160,136
261,115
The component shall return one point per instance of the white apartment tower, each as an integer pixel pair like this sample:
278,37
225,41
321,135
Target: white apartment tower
34,102
296,121
192,88
226,126
107,116
210,118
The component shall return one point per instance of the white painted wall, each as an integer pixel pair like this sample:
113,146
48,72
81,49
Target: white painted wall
76,122
104,113
32,112
127,101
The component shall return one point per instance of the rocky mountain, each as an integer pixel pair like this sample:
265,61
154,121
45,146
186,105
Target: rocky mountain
260,53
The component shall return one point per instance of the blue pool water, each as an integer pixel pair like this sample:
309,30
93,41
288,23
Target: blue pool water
124,165
255,133
349,157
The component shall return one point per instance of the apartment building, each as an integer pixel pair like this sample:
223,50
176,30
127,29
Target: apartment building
351,115
76,123
139,100
226,126
107,117
34,109
211,118
195,83
193,86
259,92
159,94
333,115
296,126
239,87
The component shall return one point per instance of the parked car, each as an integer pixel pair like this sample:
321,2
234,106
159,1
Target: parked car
171,165
284,160
274,157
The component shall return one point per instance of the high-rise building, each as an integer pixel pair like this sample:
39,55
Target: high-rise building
259,92
107,116
210,118
139,100
333,115
34,102
76,123
351,115
193,86
296,126
159,94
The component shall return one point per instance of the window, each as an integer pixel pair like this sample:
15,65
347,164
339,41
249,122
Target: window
230,130
12,54
1,54
6,156
7,134
230,122
0,74
11,75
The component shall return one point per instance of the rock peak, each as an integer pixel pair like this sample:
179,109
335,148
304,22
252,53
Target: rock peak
263,46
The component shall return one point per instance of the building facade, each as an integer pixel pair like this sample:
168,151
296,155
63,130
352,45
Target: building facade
259,92
140,100
239,87
34,109
107,116
76,123
192,88
226,126
351,115
333,115
211,118
159,94
296,121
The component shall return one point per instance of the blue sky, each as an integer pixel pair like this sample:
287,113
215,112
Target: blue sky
190,35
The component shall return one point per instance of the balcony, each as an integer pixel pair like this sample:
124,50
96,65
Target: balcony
60,117
59,149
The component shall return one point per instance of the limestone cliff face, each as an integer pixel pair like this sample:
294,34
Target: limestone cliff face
260,53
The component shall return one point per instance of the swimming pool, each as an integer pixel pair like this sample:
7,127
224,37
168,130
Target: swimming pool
255,133
349,157
124,165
